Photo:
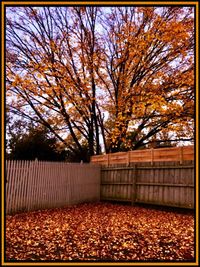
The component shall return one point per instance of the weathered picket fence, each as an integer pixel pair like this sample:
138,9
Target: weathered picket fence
32,185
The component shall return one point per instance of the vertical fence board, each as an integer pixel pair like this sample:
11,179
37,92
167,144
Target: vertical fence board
32,186
8,183
67,182
129,180
166,180
9,178
23,185
13,185
44,184
14,205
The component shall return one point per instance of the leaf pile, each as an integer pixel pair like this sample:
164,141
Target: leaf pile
100,232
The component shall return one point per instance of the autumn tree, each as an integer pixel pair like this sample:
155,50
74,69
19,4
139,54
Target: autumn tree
120,74
149,74
51,54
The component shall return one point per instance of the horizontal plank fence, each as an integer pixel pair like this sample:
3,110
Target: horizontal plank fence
164,183
146,155
32,185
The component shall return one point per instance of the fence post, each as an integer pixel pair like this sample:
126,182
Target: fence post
133,186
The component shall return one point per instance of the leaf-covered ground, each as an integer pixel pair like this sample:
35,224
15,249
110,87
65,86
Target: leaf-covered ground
100,232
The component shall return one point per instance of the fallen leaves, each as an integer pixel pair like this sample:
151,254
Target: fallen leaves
100,232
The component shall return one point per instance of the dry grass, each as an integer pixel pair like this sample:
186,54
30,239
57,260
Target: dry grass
100,232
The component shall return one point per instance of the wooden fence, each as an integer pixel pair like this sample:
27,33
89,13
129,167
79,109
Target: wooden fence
32,185
146,155
164,183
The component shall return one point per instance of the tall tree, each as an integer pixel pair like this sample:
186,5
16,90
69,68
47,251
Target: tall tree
120,74
149,73
50,56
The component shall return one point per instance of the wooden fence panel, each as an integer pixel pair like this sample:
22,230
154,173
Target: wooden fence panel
146,155
164,183
33,185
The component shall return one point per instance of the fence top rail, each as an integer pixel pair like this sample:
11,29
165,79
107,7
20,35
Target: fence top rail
51,162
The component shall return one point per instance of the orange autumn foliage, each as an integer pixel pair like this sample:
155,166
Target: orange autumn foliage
123,75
